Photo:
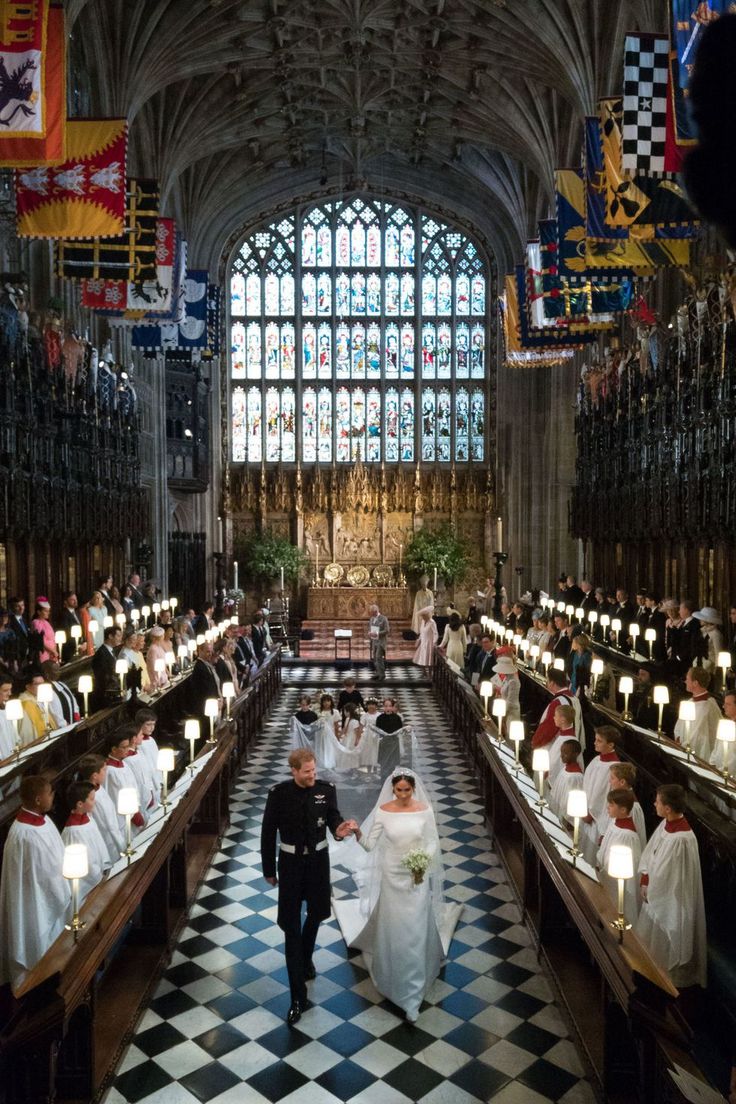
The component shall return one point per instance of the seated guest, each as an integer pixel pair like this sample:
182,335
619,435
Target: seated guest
106,680
581,661
559,688
573,594
137,679
20,628
203,682
658,622
64,703
620,830
700,734
716,758
104,586
710,630
522,617
506,685
569,777
349,693
69,619
475,632
80,827
225,665
34,896
672,916
41,624
258,637
203,621
641,612
688,643
8,733
245,654
119,775
182,632
93,768
597,783
643,710
589,602
156,652
561,643
127,601
36,722
92,615
485,660
305,714
116,601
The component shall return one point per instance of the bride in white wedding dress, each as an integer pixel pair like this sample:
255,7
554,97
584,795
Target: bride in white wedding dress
403,929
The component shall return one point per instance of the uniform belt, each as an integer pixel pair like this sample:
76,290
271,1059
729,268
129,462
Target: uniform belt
290,848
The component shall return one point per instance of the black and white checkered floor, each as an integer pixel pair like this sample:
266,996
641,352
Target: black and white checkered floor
215,1031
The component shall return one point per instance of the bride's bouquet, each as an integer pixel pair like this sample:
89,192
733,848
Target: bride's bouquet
417,863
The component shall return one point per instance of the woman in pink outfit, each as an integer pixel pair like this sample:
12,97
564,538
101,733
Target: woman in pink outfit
41,624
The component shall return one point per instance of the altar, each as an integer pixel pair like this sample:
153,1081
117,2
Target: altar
350,603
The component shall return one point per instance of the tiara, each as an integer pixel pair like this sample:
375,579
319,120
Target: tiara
402,772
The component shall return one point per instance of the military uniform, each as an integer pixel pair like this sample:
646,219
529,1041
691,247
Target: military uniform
301,815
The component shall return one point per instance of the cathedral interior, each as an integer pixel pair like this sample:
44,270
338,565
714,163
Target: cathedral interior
343,276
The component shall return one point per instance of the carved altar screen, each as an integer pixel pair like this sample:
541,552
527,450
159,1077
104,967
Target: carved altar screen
358,331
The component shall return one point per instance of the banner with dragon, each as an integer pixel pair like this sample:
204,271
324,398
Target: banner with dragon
32,84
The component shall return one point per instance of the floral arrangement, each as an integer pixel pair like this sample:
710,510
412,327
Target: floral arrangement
417,863
439,551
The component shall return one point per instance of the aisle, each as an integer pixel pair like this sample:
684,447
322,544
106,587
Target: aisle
215,1029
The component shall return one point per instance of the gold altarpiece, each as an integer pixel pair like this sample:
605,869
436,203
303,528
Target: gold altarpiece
362,515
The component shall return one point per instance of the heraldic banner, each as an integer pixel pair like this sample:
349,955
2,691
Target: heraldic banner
84,196
32,84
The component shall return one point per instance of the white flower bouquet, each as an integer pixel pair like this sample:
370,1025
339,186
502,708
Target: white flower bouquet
417,863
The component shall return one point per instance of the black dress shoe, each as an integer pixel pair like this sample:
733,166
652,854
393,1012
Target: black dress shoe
295,1012
309,972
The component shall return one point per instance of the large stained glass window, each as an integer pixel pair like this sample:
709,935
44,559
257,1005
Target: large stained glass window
358,331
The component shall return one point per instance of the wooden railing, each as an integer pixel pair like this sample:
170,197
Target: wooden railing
65,1026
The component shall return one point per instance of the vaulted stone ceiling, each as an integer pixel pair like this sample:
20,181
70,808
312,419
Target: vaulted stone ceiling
239,106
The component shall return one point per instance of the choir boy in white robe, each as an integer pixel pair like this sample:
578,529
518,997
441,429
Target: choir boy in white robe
8,736
145,720
140,764
569,777
621,830
702,734
622,777
565,722
93,768
34,895
672,916
120,776
597,783
81,828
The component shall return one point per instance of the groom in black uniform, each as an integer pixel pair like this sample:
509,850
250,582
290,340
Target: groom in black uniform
301,811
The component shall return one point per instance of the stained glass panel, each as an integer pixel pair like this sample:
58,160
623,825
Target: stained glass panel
254,446
462,351
237,295
407,245
342,424
407,352
342,352
272,294
392,294
287,295
374,293
358,293
444,294
392,352
342,246
309,425
477,425
429,354
477,353
272,351
253,361
309,294
373,425
324,335
273,437
444,425
288,351
407,425
237,350
478,300
357,243
462,424
288,425
239,429
309,351
357,442
358,352
392,246
428,450
444,352
462,295
324,246
309,244
392,425
342,291
324,425
429,295
373,352
373,248
253,296
407,294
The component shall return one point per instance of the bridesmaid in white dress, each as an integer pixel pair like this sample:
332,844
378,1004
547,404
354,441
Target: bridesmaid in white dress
349,754
408,929
326,742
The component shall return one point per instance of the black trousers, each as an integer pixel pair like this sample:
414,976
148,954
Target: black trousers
302,878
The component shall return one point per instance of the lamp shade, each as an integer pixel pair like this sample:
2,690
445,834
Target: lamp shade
191,730
165,604
169,659
76,863
156,607
546,658
107,622
634,629
145,611
580,613
509,634
650,635
76,631
724,660
192,646
616,624
516,732
661,695
121,666
498,709
577,803
540,759
200,640
212,707
14,709
120,620
486,689
173,602
159,666
558,664
524,644
605,620
726,731
686,711
135,615
569,610
596,667
626,685
60,637
228,690
85,684
620,861
234,620
45,693
550,603
165,759
561,607
128,801
593,617
534,651
182,651
517,639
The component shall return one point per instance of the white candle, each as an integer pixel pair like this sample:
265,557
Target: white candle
235,574
282,578
499,535
435,580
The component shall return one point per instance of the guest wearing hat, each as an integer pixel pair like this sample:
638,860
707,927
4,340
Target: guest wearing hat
156,651
710,629
41,624
506,685
424,653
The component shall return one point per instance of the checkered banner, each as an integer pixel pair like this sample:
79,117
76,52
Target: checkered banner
646,61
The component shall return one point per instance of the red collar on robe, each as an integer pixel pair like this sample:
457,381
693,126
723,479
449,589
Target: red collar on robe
131,753
567,732
573,768
115,762
25,816
147,737
625,822
76,819
609,757
679,825
700,697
